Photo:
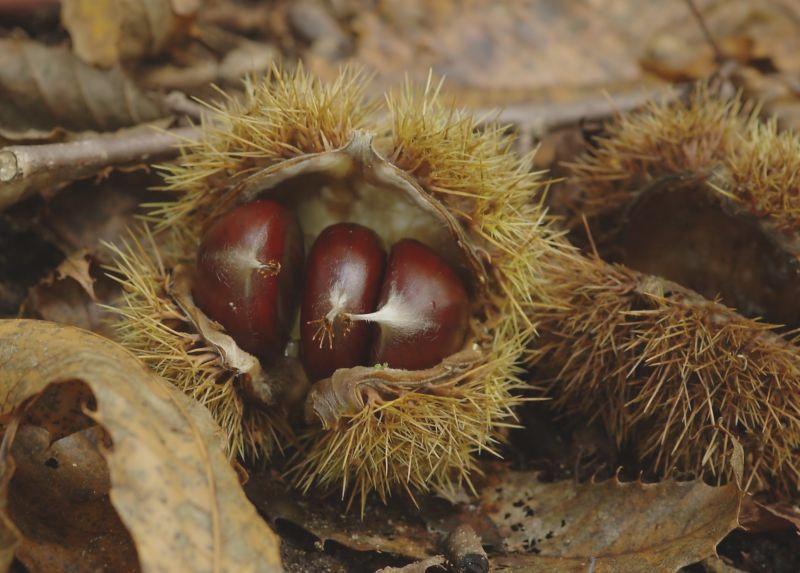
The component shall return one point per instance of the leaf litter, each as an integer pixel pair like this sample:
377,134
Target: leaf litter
605,522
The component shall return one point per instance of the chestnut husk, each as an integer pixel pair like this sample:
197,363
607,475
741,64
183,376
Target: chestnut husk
700,196
408,167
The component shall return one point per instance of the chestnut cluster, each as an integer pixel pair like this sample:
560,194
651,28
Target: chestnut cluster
357,306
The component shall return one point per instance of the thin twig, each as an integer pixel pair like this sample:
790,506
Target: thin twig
26,169
718,55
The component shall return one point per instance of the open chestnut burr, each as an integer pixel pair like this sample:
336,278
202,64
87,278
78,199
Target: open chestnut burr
406,362
407,311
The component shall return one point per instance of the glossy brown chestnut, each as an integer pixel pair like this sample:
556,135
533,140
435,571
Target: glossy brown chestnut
343,275
249,269
423,311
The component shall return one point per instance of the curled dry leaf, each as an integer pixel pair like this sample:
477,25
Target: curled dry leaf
46,88
58,499
74,294
77,267
758,517
609,526
105,32
171,483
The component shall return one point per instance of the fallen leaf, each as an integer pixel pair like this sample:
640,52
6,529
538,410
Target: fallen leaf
171,484
759,517
609,526
45,88
385,529
76,267
58,499
670,57
82,217
104,32
74,294
778,94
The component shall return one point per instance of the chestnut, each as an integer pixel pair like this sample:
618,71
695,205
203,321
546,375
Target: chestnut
423,310
343,275
249,268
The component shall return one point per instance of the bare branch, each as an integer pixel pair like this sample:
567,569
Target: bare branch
26,169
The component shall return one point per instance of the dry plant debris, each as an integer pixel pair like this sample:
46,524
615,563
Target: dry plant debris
48,89
422,566
93,76
609,526
68,296
384,529
25,169
170,481
691,190
106,31
58,499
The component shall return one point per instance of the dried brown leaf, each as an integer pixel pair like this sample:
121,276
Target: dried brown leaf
202,70
609,526
76,267
384,529
105,32
58,498
83,217
73,294
171,483
742,30
758,517
45,88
